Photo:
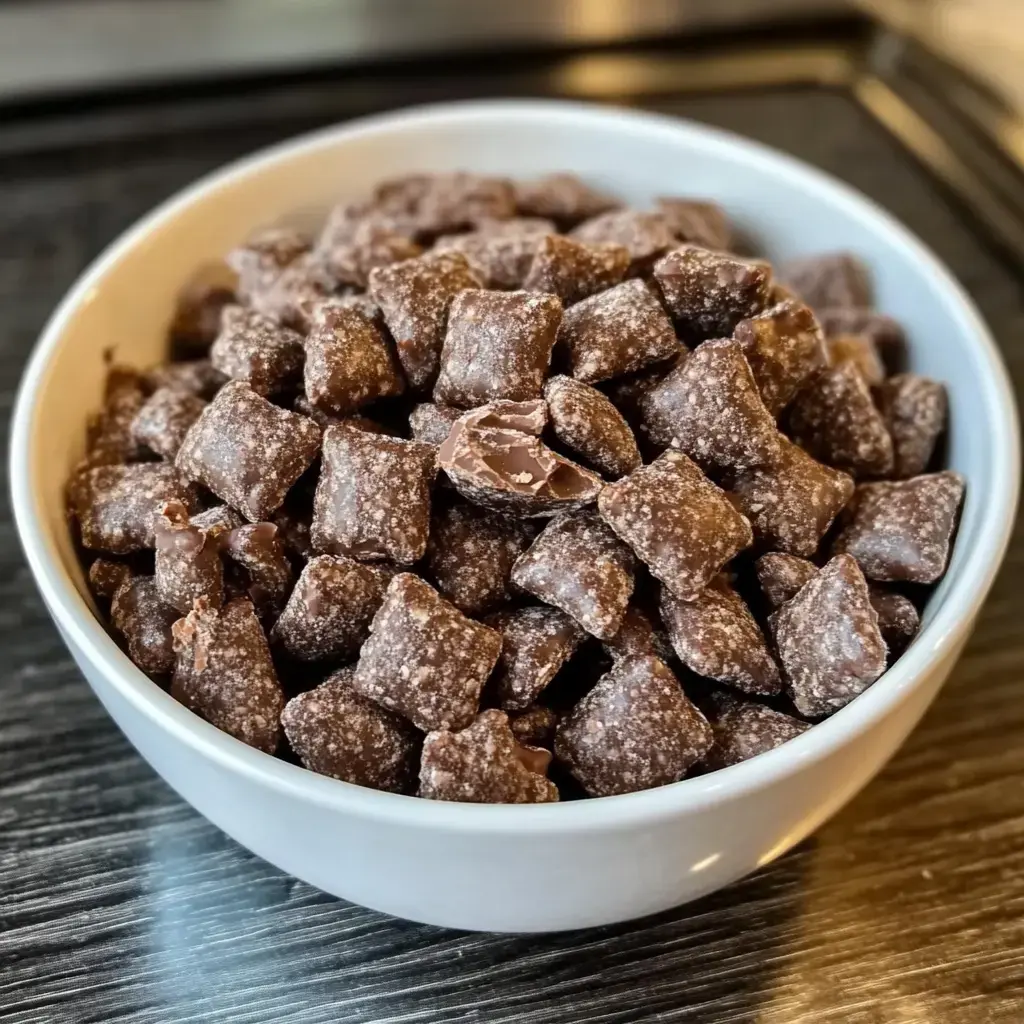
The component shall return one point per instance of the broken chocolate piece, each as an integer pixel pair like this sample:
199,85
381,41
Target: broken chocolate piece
188,564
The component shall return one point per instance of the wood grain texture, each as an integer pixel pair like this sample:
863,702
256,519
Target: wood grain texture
119,904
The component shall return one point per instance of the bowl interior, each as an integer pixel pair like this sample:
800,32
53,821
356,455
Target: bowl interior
121,308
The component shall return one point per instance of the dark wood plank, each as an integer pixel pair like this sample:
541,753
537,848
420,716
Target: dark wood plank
118,903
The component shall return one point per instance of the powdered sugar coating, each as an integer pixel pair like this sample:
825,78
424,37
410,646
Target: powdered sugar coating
106,576
260,261
615,332
564,198
828,639
709,293
348,362
114,506
901,530
248,451
534,727
330,609
424,659
187,563
634,730
500,252
858,350
483,764
373,498
258,549
351,255
432,423
224,673
253,348
914,409
792,502
414,296
137,612
784,345
110,439
835,280
470,555
746,729
699,221
717,637
677,521
164,418
586,422
579,565
710,408
781,576
497,346
337,732
645,235
536,643
574,270
835,419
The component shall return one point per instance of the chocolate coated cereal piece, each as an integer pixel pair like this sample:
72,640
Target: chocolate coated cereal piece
792,502
574,270
784,346
579,565
745,730
914,409
224,674
163,421
110,440
498,346
586,422
677,521
248,451
257,548
217,520
483,764
698,221
710,408
369,244
348,362
188,562
253,348
432,423
195,376
634,730
536,643
717,637
858,350
615,332
500,252
627,393
883,330
835,419
330,609
297,293
196,318
709,293
373,497
637,635
494,462
424,659
901,530
105,577
337,732
259,262
564,198
837,280
898,619
470,555
828,639
781,576
439,204
115,505
646,236
534,727
137,612
414,296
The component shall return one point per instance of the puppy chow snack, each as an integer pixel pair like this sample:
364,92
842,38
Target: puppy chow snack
424,659
634,730
497,454
615,332
497,346
677,521
587,423
337,732
483,764
579,565
373,498
247,451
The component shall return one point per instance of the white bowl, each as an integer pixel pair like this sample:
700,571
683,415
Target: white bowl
533,868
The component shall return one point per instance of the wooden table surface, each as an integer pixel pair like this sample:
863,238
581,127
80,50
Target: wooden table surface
119,903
